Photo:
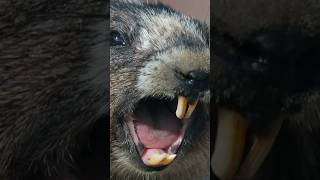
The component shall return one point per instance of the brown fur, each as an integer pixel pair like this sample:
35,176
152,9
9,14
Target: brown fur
53,89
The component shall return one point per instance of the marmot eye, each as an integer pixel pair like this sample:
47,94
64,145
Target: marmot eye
117,39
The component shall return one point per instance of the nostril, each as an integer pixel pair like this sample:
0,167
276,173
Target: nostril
197,76
193,82
198,80
190,81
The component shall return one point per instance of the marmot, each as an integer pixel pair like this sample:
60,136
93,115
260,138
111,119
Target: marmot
265,73
54,92
159,73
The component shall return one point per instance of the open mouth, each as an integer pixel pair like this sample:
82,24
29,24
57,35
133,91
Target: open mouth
158,127
239,151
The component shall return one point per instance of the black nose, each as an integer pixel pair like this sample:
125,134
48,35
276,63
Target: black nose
198,80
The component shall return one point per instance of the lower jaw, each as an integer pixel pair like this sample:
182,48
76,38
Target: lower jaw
238,153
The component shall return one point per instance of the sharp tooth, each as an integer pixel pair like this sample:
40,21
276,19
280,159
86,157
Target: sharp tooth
230,142
191,109
181,107
259,151
157,159
168,159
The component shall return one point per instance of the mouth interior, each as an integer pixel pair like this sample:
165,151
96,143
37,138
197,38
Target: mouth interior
156,130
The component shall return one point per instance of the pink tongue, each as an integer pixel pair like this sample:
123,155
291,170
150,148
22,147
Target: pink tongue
157,127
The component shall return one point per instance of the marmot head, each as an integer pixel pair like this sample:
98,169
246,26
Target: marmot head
159,92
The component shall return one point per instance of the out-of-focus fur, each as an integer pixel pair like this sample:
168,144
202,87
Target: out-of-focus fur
266,64
53,94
